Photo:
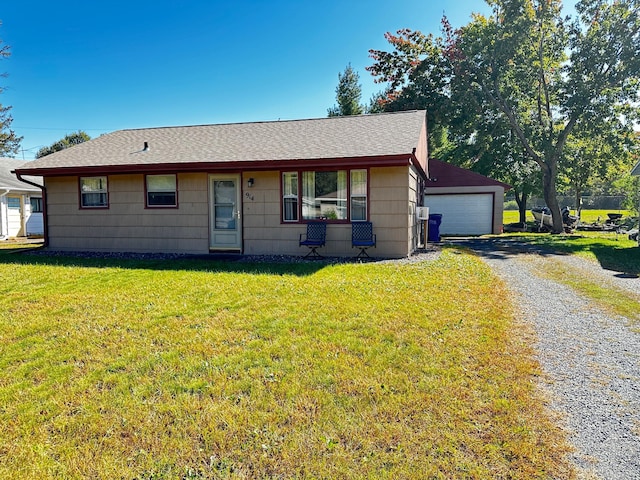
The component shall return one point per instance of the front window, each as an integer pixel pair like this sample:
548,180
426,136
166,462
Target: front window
338,195
93,192
162,191
36,204
324,195
13,202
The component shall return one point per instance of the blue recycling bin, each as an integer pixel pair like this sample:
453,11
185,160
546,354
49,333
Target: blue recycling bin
435,219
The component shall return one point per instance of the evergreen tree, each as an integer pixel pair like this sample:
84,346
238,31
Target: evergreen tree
348,94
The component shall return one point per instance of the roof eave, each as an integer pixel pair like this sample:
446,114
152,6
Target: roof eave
253,165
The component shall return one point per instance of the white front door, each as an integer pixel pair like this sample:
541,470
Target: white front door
225,213
14,216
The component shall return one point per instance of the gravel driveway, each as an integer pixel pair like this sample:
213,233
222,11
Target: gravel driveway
590,359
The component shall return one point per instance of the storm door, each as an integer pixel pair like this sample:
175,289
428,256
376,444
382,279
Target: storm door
224,213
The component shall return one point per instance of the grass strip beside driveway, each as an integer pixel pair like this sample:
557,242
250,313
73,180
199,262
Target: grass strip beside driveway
187,369
611,250
605,295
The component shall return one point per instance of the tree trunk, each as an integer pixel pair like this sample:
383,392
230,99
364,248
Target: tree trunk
549,173
521,200
578,202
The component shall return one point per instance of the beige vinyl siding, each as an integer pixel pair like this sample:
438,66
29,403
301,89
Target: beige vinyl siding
414,230
389,211
265,234
127,225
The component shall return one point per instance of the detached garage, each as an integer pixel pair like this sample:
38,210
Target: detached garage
470,203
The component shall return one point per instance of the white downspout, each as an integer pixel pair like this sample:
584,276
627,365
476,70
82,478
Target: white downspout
3,218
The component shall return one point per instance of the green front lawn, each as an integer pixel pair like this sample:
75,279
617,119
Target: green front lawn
197,369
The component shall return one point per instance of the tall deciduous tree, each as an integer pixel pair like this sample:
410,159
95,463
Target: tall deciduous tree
549,76
416,78
9,141
544,76
463,127
348,94
68,141
590,159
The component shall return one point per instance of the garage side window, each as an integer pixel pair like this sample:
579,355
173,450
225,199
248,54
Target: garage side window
162,191
93,192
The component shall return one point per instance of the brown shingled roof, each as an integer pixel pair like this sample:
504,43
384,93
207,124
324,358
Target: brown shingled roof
447,175
326,138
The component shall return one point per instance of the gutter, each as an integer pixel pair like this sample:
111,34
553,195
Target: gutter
45,219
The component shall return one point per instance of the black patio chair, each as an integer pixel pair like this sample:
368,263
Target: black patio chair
362,237
314,238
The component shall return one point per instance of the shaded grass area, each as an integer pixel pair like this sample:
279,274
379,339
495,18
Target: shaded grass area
613,251
191,369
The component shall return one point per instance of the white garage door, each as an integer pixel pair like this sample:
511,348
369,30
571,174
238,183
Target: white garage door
469,214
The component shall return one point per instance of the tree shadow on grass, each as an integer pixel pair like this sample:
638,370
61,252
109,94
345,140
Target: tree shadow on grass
626,261
197,263
620,259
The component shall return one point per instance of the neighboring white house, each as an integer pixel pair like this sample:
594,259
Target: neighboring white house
20,203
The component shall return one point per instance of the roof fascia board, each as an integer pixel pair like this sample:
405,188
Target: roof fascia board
261,165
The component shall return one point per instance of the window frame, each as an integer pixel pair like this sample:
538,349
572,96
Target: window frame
291,196
38,201
146,191
364,195
300,195
104,191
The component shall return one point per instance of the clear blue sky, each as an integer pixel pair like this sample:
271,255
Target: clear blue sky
104,65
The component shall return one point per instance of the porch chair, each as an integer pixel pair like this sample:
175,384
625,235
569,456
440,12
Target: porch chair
362,237
314,238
